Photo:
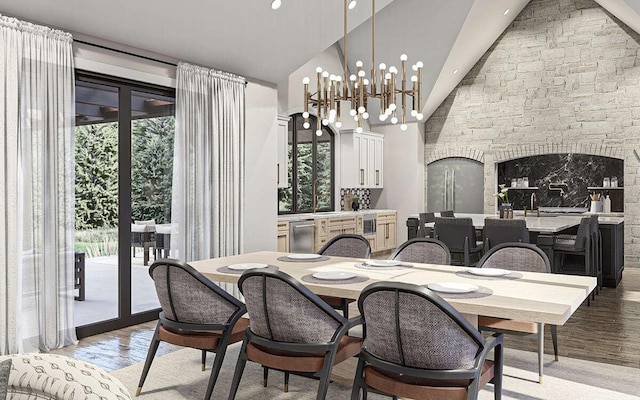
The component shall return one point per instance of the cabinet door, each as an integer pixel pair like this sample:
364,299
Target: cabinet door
391,242
377,165
362,146
283,152
283,242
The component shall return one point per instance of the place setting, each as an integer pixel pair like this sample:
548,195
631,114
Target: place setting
242,267
458,290
303,257
334,278
489,274
383,264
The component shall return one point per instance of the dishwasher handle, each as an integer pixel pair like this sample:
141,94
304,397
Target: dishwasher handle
304,226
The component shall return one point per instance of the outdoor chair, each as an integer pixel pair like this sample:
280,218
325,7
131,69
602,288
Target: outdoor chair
416,345
517,256
292,330
423,250
195,313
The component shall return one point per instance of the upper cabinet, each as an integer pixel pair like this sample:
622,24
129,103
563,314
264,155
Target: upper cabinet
362,159
283,154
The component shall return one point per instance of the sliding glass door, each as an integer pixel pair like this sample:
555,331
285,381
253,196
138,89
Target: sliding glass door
124,153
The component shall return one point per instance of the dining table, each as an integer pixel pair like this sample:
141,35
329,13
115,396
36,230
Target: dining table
543,298
526,296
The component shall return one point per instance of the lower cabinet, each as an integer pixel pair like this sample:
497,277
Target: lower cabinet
326,228
283,236
385,232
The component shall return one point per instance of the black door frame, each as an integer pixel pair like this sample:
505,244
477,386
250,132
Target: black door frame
125,317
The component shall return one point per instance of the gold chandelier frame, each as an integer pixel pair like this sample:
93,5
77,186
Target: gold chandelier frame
357,89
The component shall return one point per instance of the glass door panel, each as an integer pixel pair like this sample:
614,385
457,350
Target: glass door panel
96,205
152,132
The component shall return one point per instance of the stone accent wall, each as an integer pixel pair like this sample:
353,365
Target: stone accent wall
563,78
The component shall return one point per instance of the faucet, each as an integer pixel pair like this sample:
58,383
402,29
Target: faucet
533,201
314,195
562,187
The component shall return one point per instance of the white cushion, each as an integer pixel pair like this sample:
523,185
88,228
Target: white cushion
52,376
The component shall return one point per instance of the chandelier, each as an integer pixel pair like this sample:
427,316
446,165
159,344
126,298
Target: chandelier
357,89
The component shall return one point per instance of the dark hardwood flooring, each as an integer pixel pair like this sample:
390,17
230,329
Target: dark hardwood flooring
608,332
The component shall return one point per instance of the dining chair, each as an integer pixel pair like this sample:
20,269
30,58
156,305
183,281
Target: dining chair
423,250
586,244
518,256
423,220
416,345
196,313
345,245
447,213
292,330
459,235
497,231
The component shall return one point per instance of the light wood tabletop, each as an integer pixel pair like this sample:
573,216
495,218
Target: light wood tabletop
530,296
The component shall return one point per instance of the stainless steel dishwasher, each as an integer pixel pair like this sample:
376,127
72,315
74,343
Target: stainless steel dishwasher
301,236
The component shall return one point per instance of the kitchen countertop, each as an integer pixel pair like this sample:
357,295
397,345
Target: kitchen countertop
326,214
545,224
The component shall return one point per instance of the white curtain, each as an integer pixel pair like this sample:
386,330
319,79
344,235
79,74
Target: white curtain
37,191
208,165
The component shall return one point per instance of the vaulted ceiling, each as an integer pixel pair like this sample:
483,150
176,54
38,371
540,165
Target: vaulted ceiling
248,38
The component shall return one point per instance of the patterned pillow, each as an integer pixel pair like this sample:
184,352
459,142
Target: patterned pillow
5,370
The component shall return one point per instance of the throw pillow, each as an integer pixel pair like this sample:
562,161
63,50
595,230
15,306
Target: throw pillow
5,370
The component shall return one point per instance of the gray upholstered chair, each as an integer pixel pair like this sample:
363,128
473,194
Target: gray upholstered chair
423,250
345,245
497,231
519,256
195,313
459,235
416,345
423,220
292,329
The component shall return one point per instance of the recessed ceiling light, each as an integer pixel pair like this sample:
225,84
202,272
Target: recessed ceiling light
506,11
455,71
352,4
275,4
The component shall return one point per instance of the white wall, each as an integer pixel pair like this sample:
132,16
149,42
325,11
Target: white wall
261,197
403,173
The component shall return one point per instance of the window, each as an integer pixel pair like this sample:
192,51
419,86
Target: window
310,162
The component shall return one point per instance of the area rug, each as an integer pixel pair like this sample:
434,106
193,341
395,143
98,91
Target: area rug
178,376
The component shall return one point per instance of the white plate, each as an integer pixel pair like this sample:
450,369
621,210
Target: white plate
245,266
310,256
488,271
452,287
383,263
334,275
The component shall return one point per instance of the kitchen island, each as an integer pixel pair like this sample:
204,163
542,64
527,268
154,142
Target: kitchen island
544,228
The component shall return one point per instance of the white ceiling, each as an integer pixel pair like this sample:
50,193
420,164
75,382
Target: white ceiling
246,37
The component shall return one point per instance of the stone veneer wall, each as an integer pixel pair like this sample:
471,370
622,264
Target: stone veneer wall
563,78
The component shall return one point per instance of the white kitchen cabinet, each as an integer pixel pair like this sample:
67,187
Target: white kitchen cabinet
361,159
283,151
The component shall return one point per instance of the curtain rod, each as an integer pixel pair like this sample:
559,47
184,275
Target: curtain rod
131,54
125,52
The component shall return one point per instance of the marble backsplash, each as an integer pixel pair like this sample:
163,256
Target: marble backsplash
577,171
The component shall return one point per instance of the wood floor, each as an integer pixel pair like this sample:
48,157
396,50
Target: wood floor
608,331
